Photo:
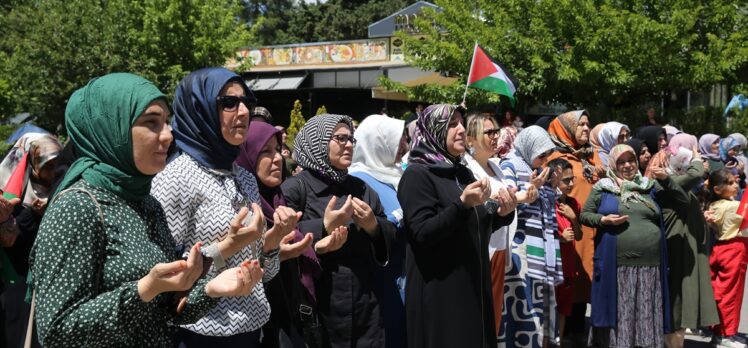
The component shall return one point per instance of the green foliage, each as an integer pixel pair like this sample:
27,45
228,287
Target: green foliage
321,110
288,22
584,52
297,122
77,40
5,131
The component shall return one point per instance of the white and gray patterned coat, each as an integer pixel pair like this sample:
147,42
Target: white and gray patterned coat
200,203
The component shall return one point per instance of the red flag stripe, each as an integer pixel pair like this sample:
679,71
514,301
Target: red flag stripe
482,66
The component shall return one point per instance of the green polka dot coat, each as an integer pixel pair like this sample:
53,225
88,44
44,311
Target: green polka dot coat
85,276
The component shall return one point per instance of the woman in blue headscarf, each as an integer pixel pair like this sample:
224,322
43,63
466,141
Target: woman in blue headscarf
206,196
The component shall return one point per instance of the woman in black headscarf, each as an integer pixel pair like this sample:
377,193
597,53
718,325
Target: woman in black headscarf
643,155
654,136
448,289
330,198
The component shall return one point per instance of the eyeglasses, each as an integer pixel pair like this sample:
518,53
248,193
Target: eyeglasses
343,139
231,102
568,181
492,132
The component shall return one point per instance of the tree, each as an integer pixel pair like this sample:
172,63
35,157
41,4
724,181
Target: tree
296,124
321,110
584,52
332,20
77,40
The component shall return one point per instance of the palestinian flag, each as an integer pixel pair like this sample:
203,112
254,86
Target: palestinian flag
487,74
14,186
743,211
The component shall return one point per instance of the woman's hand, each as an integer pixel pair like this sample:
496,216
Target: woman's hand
6,207
39,206
239,235
476,193
539,180
566,211
528,196
290,250
363,216
237,281
659,173
173,276
567,235
284,222
337,217
333,241
507,199
614,219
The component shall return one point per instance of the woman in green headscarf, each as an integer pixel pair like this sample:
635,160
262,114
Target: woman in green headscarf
105,268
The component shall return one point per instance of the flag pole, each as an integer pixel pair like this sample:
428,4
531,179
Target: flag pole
470,73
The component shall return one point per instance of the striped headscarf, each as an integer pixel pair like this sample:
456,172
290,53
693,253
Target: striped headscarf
311,145
430,147
628,190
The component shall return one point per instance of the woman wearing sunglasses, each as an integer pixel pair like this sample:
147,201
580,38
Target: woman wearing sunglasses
206,198
330,198
483,141
105,268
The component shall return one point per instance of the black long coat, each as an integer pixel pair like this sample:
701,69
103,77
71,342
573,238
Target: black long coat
347,304
448,289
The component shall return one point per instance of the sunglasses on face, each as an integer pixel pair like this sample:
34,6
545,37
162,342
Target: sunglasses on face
231,102
492,132
343,139
568,181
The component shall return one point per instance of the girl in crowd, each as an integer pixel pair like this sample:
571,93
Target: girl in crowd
690,289
330,198
570,133
205,195
709,149
483,136
448,227
104,263
33,160
569,230
536,260
729,256
291,292
381,142
628,291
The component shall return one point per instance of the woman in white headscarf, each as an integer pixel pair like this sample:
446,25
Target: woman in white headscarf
381,142
611,134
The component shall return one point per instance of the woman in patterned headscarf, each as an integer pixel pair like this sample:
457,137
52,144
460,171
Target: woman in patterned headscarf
331,200
570,133
630,306
448,289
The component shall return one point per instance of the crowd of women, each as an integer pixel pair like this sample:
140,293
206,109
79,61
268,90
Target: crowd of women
180,225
